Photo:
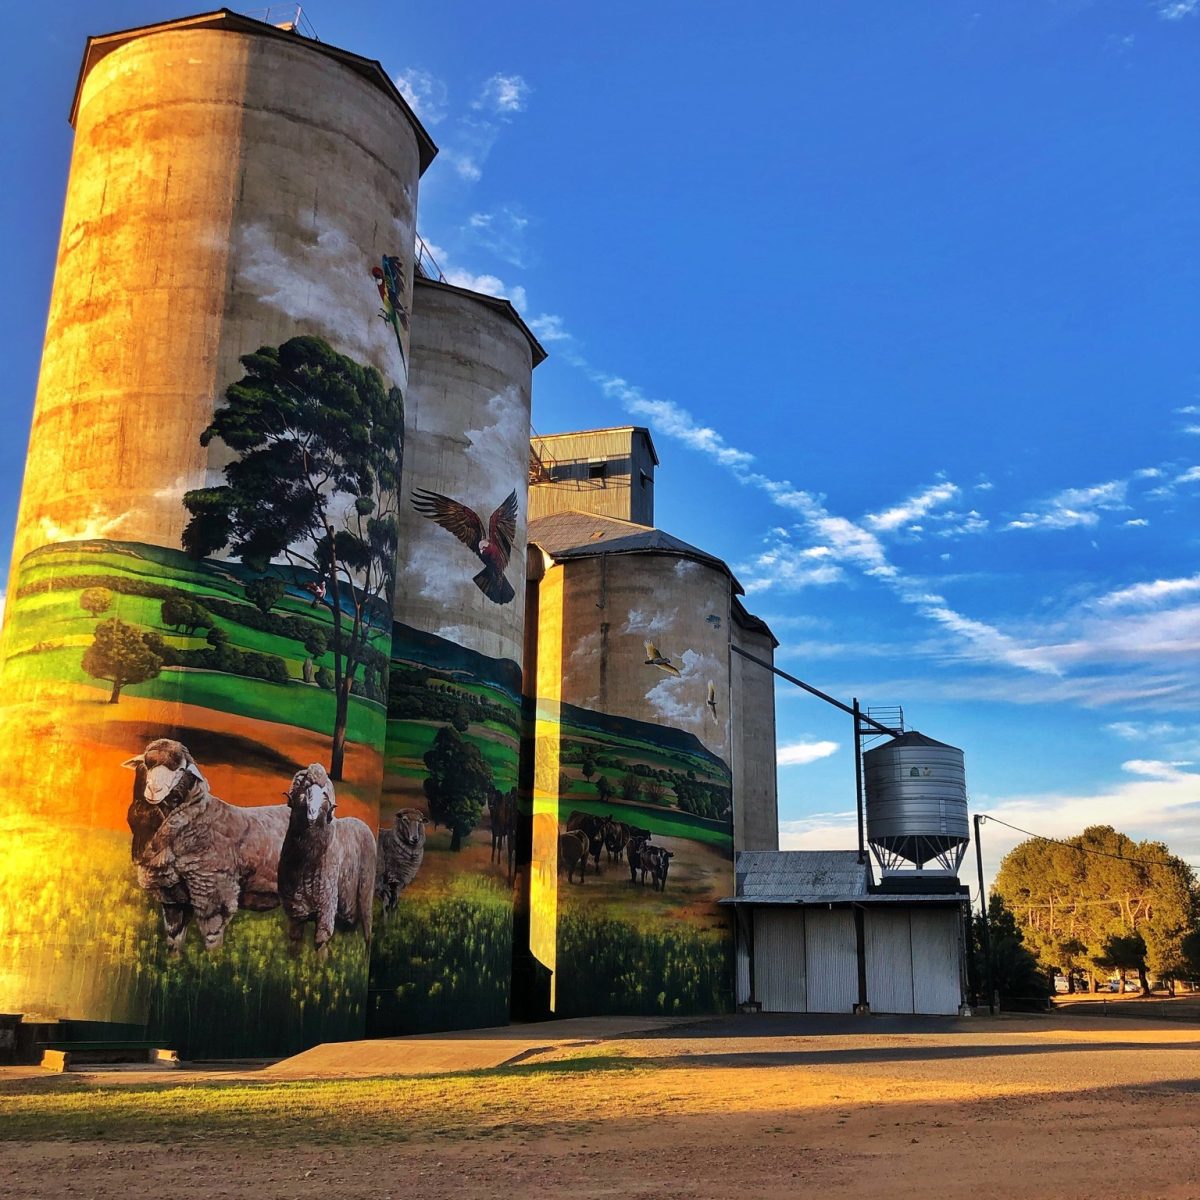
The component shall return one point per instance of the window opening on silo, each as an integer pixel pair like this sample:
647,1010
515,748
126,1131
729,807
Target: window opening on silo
597,470
914,773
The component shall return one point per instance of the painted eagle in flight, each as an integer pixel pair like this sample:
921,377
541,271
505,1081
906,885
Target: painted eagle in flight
493,545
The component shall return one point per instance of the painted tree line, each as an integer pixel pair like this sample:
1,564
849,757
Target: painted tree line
1100,903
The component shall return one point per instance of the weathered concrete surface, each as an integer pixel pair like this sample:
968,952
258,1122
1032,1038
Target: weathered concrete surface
467,1050
755,799
227,191
466,438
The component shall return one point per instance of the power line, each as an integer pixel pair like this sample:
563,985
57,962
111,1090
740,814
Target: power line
1041,837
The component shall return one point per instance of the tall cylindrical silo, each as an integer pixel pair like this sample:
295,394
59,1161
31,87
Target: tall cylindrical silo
916,803
207,537
638,739
442,953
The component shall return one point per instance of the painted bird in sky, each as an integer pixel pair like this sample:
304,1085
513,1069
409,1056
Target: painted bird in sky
711,702
493,545
654,659
389,279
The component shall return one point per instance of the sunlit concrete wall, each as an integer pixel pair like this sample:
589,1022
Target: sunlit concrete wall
442,958
609,472
232,186
755,806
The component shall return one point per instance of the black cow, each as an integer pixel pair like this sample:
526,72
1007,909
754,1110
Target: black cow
573,852
656,862
594,828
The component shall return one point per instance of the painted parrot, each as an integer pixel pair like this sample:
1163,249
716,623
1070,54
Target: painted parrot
389,279
493,546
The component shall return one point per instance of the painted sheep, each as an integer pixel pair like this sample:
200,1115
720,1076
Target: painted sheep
401,851
206,859
327,864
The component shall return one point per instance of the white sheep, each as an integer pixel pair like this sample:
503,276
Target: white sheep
401,851
206,856
327,863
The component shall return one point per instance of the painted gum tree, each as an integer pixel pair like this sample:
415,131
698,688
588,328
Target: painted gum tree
319,443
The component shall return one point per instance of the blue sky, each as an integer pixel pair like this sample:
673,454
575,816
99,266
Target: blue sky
909,296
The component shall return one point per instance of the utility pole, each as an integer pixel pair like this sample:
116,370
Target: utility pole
987,937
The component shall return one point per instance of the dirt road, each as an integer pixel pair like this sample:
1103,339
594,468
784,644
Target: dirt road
748,1107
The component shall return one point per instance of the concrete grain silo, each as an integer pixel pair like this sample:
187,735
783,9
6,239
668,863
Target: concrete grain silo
207,540
639,726
442,959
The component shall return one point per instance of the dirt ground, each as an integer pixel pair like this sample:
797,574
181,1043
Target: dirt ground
1053,1106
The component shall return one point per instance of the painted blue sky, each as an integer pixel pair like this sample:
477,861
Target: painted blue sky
909,298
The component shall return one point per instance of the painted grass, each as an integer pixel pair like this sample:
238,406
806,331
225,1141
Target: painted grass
442,962
665,822
90,941
296,704
611,966
461,1106
408,740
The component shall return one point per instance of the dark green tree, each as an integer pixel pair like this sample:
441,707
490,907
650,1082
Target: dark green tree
604,788
217,637
587,762
186,615
1016,974
96,600
315,644
631,788
1189,956
1096,886
119,654
265,592
458,785
319,444
1125,952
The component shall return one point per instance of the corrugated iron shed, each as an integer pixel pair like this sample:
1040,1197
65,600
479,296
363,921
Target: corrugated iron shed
801,876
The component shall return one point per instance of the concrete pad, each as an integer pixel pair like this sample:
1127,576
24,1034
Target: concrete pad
461,1050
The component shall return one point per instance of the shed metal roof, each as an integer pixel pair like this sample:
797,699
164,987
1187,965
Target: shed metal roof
801,876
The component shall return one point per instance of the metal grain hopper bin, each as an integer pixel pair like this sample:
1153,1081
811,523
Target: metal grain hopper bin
916,802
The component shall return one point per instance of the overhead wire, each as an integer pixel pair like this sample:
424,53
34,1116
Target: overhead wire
1041,837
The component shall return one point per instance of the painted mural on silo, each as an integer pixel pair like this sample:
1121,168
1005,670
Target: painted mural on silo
442,955
643,833
198,627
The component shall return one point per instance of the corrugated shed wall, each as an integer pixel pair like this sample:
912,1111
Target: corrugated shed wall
779,976
831,960
889,961
935,958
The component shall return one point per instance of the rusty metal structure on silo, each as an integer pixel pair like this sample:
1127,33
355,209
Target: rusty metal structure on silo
916,804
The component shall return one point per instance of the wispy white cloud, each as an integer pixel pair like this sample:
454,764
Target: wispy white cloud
489,285
1158,803
1176,10
1144,731
549,328
503,232
912,509
798,754
1153,593
1136,523
675,422
503,95
1075,506
426,95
